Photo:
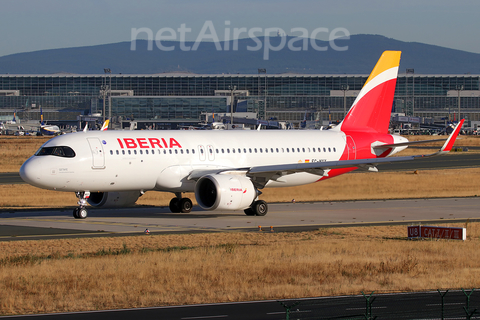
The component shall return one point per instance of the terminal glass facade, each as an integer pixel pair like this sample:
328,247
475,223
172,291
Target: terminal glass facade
185,96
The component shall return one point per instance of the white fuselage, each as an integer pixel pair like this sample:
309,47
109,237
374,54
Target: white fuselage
162,160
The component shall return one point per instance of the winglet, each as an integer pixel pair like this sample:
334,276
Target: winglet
105,125
447,146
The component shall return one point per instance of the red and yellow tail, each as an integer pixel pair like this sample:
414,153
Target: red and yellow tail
372,108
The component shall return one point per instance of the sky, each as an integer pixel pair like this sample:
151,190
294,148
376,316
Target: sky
31,25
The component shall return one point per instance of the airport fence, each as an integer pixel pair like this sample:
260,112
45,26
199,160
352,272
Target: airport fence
440,304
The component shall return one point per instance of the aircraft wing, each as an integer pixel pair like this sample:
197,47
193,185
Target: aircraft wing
260,175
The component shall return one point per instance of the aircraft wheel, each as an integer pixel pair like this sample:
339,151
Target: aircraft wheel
75,213
82,213
249,212
185,205
260,208
174,205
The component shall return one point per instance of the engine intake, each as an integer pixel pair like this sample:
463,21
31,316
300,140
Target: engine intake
113,199
224,192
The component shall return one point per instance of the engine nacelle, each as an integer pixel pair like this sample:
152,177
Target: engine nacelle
224,192
113,199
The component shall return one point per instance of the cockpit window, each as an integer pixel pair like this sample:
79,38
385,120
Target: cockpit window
61,151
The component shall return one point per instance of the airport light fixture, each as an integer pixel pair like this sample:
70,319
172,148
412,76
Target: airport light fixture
109,87
412,72
232,91
459,88
345,88
264,72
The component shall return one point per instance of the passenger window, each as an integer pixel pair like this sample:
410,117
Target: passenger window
111,152
189,152
123,151
117,152
250,150
293,149
141,152
193,150
146,151
334,150
255,150
329,150
170,151
261,150
288,150
277,150
228,150
303,149
324,150
223,151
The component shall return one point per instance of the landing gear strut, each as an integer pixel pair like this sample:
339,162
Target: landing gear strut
180,205
81,212
258,208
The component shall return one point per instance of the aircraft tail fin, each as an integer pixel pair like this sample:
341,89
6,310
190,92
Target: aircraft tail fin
105,125
41,117
372,108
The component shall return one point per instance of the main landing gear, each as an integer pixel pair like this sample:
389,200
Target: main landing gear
81,212
258,208
180,205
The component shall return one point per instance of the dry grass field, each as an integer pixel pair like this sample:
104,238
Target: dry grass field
154,270
95,274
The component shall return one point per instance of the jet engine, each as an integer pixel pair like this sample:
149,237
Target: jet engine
224,192
113,199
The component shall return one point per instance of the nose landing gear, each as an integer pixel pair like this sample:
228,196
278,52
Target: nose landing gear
81,212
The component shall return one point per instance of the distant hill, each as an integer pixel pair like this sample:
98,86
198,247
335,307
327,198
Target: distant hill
363,51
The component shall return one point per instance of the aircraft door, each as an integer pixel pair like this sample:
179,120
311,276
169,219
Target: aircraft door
98,155
201,153
351,147
211,153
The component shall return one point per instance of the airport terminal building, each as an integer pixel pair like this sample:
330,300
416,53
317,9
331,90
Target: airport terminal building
181,98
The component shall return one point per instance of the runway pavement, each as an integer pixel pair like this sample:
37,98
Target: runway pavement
36,224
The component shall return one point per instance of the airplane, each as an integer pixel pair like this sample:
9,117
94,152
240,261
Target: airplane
105,125
48,130
226,169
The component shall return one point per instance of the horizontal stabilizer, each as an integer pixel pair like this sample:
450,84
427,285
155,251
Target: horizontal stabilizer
408,143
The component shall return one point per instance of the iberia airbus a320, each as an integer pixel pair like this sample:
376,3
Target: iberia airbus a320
226,169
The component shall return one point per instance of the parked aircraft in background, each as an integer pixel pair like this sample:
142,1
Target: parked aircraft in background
48,130
226,169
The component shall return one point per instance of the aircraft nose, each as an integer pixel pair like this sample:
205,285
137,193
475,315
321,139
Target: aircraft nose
30,172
